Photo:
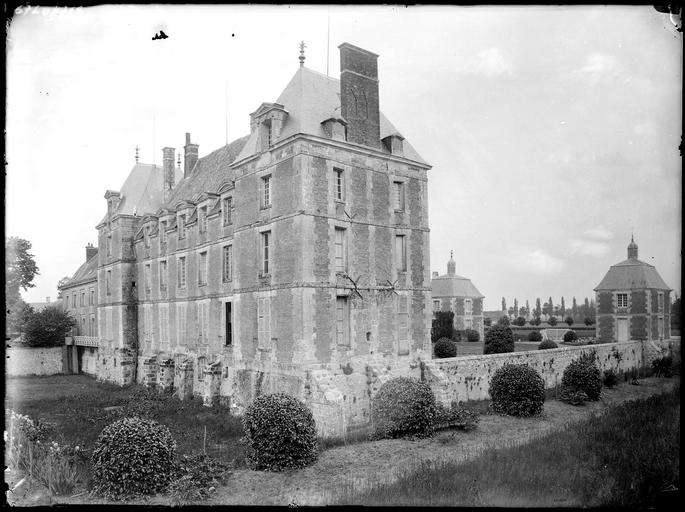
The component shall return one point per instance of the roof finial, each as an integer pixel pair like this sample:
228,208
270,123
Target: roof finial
302,57
136,154
178,159
450,253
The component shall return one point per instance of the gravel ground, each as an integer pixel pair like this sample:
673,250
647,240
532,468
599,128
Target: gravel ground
364,465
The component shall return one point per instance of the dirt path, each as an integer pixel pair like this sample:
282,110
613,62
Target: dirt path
367,464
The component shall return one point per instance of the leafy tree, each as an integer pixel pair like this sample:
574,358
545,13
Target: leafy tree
520,321
569,320
18,316
535,321
552,321
574,309
443,325
563,307
504,320
48,327
550,306
499,339
511,312
538,308
589,320
675,314
516,307
504,305
20,269
487,321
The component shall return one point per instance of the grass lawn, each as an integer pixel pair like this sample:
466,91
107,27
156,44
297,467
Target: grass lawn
627,457
76,405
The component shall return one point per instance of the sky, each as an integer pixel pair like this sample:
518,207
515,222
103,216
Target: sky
553,132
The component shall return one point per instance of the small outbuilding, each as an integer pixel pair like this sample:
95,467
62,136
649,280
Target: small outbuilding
633,302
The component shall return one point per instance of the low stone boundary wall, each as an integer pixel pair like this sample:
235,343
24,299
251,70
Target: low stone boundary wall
22,361
468,378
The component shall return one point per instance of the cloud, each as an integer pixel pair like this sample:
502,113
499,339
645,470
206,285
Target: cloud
489,62
588,247
598,67
539,261
600,233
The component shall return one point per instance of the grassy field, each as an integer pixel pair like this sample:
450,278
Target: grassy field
628,457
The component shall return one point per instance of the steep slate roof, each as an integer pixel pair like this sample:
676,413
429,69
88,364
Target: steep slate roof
454,286
208,174
86,272
310,98
632,274
142,191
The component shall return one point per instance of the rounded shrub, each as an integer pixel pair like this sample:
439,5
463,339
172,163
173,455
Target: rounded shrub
552,321
133,456
472,335
445,347
583,375
280,433
534,336
570,336
518,390
498,340
609,378
547,344
403,406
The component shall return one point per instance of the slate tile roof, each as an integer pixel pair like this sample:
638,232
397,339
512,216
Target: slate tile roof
454,286
632,274
85,273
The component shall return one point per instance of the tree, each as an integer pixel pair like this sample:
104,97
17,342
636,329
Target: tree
589,320
527,308
487,321
535,321
503,321
443,325
520,321
499,339
569,321
574,309
511,312
675,314
504,305
516,306
20,269
563,307
552,321
538,308
18,316
48,327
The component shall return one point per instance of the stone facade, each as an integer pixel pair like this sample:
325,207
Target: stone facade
633,302
80,295
295,259
451,292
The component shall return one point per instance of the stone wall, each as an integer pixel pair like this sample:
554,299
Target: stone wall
33,361
89,360
468,378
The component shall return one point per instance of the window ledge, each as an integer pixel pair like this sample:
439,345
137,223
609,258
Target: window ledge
265,207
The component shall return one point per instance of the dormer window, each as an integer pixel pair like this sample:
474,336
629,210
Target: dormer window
181,226
162,231
226,207
202,219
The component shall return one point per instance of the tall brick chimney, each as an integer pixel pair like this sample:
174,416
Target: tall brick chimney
169,171
190,156
359,95
90,251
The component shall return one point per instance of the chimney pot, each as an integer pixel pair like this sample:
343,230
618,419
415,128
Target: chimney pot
191,152
90,251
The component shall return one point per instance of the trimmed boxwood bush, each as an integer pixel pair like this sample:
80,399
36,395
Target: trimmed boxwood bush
570,336
472,335
572,396
498,340
445,347
547,344
583,374
131,457
518,390
280,433
534,336
404,406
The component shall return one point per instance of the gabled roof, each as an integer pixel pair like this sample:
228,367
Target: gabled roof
454,286
632,274
210,172
311,98
86,272
142,192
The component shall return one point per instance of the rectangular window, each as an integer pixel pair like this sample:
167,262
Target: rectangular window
162,276
228,263
342,314
93,331
468,307
181,322
109,324
400,253
67,301
108,282
164,323
109,245
162,231
92,297
148,322
339,185
202,219
148,280
181,226
266,188
660,301
468,323
203,314
399,195
75,301
264,322
182,272
202,269
436,306
83,326
403,325
660,327
228,334
340,250
622,300
146,236
226,206
83,299
266,239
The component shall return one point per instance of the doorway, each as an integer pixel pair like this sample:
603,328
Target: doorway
622,329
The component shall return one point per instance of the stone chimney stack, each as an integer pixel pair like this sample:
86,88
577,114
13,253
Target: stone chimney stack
191,151
90,251
359,95
169,171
